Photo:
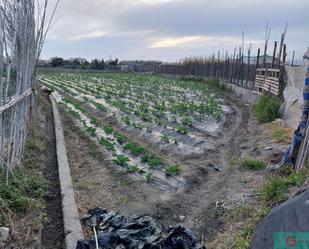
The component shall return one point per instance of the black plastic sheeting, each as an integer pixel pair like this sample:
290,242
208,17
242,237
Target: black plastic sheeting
136,232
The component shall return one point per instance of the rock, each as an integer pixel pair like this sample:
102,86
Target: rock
273,167
4,234
291,216
250,195
182,217
278,122
217,168
268,148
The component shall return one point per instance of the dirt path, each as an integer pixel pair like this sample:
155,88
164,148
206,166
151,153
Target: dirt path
52,233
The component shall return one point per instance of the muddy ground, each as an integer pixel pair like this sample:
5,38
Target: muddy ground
97,182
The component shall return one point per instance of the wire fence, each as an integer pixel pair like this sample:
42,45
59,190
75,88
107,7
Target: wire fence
21,40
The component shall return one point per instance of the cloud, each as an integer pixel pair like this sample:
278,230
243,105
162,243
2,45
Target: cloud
198,41
169,29
91,35
176,42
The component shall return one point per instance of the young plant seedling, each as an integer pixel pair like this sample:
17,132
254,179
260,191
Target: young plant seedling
148,177
122,161
91,131
172,170
107,143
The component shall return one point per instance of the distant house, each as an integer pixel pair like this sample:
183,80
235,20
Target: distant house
79,60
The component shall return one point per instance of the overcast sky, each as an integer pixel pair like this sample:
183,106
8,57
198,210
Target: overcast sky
172,29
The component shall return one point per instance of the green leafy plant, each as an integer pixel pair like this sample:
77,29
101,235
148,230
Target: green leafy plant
166,138
135,149
148,177
109,130
267,108
276,188
152,160
92,131
187,121
13,198
122,160
134,169
280,134
126,120
182,130
172,170
120,137
107,143
95,122
253,164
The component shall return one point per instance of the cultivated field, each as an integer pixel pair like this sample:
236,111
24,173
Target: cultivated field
178,116
147,144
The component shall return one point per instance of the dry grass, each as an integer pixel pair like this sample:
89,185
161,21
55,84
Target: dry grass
279,132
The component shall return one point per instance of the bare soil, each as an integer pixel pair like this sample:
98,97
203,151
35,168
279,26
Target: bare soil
52,236
97,182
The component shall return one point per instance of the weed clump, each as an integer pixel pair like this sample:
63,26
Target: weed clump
13,198
253,164
267,108
276,188
280,134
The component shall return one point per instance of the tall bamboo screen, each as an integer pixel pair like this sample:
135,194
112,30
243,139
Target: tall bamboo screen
21,40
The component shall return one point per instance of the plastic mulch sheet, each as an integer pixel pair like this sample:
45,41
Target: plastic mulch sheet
114,231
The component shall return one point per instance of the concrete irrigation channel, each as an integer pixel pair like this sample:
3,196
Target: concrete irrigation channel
72,226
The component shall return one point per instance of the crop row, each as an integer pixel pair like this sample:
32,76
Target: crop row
131,156
167,111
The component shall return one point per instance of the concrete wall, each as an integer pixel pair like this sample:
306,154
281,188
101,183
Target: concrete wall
246,94
293,94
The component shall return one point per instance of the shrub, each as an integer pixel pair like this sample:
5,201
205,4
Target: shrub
267,108
253,164
172,170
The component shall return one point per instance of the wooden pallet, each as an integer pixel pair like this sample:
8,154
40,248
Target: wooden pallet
267,81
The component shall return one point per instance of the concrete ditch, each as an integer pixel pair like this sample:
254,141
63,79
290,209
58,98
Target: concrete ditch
72,227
